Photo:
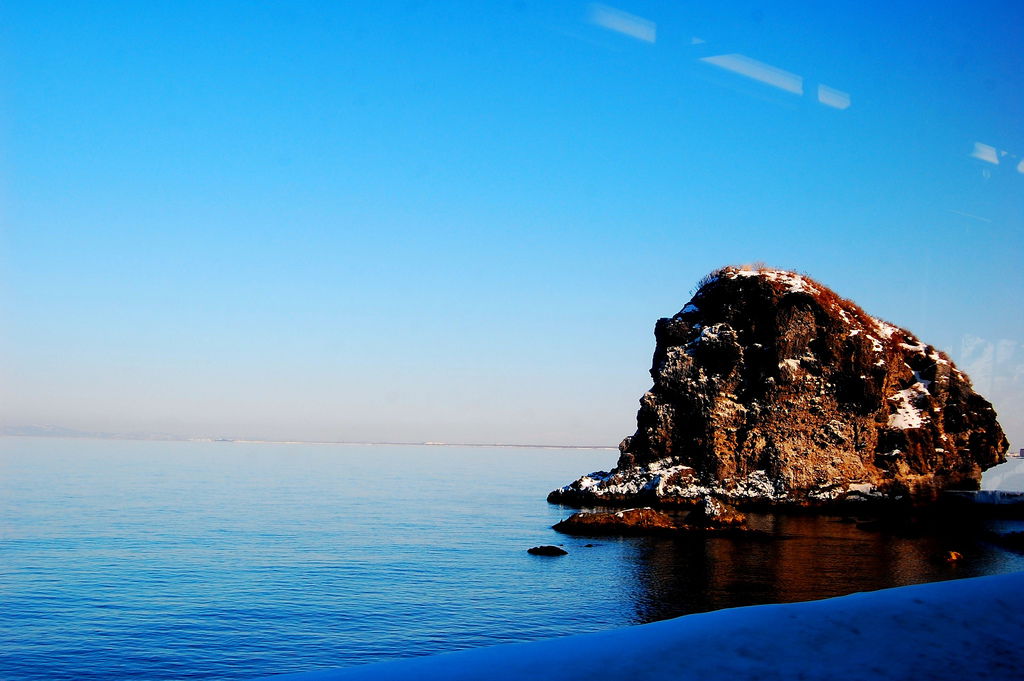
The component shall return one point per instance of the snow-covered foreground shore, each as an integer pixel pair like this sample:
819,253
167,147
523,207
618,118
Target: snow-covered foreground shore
962,629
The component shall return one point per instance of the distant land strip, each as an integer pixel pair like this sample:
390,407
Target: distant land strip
61,432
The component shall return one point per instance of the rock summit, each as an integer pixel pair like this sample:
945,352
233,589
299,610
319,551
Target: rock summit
771,389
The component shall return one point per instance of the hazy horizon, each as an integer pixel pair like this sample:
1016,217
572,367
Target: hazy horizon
452,222
992,374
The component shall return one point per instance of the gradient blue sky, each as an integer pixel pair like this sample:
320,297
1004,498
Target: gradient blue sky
459,220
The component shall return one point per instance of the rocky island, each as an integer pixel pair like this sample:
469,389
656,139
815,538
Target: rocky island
770,389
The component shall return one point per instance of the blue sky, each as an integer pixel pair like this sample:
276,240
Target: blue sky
459,221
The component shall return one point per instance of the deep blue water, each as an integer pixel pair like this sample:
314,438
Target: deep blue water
161,560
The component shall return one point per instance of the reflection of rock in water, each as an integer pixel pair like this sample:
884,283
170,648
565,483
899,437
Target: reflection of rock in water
819,558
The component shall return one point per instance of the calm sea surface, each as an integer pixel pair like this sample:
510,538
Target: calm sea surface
155,560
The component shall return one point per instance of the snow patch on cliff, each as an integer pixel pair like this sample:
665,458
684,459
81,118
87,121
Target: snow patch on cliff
793,282
885,329
908,414
589,480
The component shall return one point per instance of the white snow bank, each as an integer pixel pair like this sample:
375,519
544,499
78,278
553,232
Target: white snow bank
963,629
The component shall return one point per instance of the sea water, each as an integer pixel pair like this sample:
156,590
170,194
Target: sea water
216,560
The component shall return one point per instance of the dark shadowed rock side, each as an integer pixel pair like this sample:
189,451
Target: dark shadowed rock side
771,389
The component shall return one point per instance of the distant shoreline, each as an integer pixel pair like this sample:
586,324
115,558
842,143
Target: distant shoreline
347,443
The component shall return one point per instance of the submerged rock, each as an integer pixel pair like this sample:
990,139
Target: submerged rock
771,389
547,551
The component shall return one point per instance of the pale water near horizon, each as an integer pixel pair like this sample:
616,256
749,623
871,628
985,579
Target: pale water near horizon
166,560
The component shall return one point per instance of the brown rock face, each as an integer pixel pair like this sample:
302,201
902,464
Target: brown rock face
770,388
712,513
638,521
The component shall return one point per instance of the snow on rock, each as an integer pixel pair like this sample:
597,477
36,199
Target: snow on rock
885,329
793,282
947,631
666,481
592,480
713,513
863,490
771,388
908,414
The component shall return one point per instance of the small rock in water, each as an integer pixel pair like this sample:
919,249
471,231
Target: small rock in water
547,551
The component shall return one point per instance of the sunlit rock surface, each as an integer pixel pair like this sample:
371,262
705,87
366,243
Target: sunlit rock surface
770,388
714,513
633,521
711,516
